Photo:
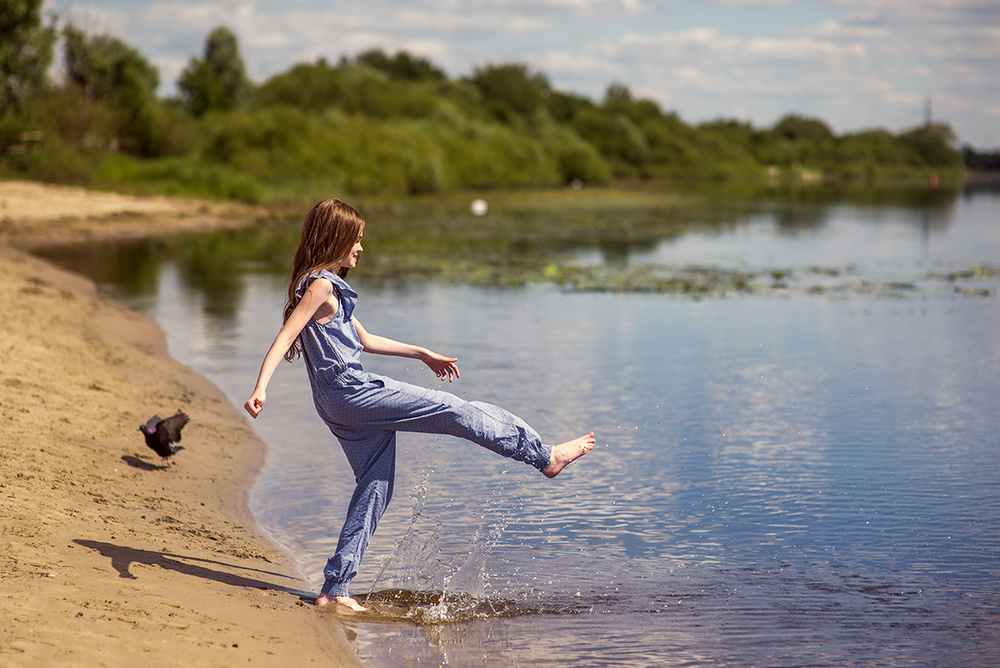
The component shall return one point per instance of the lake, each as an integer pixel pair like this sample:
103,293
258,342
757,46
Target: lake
796,399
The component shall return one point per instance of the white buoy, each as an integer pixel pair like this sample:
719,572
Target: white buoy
479,207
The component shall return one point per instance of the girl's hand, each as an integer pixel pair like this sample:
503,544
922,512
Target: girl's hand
255,404
443,367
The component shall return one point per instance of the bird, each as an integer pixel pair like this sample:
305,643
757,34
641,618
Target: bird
159,435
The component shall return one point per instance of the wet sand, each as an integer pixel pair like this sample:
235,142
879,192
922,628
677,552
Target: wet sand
106,557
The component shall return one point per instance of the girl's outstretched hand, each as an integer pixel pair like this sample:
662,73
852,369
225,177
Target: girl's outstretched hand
443,367
255,404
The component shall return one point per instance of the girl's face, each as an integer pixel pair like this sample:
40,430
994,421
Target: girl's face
351,261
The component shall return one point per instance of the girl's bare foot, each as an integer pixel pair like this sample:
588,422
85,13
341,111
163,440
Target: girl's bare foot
345,601
564,453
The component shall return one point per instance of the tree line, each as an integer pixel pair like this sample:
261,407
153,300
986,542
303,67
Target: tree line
382,123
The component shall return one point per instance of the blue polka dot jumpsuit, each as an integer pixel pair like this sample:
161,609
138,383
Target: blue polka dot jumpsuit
364,411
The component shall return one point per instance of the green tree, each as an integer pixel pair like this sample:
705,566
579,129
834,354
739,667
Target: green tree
797,128
617,93
804,141
108,70
307,86
26,47
985,161
120,85
618,99
935,143
632,133
217,81
564,107
511,89
354,87
870,154
402,65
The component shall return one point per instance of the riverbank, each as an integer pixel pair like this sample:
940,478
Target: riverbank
106,557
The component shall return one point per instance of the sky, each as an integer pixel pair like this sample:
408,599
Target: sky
856,64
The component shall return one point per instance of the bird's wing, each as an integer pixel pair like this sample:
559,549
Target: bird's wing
169,430
151,424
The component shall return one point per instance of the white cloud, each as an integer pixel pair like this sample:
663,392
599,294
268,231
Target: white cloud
871,69
855,63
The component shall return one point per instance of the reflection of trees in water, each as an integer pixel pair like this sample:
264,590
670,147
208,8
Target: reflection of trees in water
617,252
517,242
829,194
211,267
809,208
130,268
214,266
800,218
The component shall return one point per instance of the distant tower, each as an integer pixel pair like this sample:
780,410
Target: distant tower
927,109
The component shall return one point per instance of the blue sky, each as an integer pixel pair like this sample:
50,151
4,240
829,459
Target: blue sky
856,64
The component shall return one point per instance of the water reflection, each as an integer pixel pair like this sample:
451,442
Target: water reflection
529,238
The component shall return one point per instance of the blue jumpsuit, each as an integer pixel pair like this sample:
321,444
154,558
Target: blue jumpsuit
364,411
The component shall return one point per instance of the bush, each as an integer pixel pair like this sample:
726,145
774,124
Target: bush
181,176
575,158
935,144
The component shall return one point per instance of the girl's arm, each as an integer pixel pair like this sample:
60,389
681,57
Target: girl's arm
443,367
319,293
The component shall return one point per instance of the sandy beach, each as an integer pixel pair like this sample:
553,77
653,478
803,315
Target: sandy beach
108,558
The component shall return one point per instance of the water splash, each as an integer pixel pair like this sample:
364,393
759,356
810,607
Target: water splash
420,583
414,550
433,608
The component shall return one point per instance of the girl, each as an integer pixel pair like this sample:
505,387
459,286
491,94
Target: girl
363,410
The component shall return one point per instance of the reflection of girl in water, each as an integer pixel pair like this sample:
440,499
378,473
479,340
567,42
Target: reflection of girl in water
363,410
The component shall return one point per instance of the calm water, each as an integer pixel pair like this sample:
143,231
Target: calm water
796,478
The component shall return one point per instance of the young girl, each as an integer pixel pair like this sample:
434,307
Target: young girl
363,410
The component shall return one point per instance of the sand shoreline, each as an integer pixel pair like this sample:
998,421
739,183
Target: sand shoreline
106,558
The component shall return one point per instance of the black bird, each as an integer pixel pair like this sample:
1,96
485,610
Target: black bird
160,434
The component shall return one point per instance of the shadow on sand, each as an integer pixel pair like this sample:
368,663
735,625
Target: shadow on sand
137,463
123,557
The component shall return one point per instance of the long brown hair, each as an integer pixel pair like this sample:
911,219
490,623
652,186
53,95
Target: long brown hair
329,233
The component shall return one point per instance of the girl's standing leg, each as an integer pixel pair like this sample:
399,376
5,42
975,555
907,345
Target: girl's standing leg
372,456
